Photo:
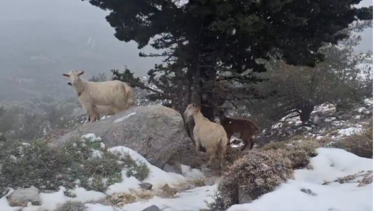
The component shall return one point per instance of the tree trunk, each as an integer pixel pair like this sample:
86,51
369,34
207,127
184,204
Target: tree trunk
208,77
191,94
306,109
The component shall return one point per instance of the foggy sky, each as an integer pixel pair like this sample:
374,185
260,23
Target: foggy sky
80,14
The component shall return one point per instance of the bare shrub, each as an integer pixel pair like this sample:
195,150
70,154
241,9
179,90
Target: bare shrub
359,144
82,162
256,173
72,206
299,152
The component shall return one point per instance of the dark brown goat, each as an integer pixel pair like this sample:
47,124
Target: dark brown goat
245,127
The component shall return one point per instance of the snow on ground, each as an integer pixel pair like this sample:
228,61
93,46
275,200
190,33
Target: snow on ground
4,205
193,199
157,177
327,166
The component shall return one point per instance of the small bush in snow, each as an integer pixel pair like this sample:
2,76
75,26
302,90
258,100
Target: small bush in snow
218,204
358,144
299,152
255,174
72,206
85,162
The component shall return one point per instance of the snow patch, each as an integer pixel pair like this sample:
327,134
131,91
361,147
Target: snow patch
328,165
349,131
157,177
123,118
193,199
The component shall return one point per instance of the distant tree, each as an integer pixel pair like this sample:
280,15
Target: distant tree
298,89
100,77
31,127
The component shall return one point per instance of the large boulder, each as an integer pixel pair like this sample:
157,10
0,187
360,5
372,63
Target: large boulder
21,197
156,132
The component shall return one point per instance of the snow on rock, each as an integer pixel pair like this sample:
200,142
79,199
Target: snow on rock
368,101
105,117
307,191
123,118
349,131
325,108
157,177
193,199
191,173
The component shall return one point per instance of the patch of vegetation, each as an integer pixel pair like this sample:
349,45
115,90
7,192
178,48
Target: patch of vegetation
254,174
84,162
72,206
217,205
359,144
298,151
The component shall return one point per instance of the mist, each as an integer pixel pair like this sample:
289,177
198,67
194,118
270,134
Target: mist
41,39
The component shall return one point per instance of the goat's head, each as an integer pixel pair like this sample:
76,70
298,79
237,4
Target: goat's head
73,76
222,110
191,109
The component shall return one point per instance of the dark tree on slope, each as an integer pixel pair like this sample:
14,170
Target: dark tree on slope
299,89
202,39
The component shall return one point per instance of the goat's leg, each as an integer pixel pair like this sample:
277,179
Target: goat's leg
93,113
246,142
251,143
221,157
209,163
198,145
229,135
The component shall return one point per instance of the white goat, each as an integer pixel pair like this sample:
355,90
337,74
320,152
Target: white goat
115,94
102,110
207,134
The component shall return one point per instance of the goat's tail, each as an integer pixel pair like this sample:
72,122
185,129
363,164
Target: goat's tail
129,94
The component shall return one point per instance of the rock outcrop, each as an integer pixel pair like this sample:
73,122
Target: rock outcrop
156,132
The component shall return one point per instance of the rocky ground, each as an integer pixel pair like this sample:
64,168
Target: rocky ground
177,180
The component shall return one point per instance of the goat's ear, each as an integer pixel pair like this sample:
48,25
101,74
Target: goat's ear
81,73
66,75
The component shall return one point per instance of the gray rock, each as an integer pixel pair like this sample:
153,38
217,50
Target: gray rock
146,186
156,132
172,168
152,208
21,197
308,191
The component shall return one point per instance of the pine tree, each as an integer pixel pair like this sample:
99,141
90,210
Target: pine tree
203,39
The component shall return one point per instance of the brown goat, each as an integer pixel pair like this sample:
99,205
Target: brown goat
207,134
245,127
